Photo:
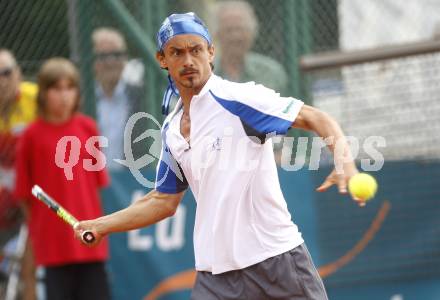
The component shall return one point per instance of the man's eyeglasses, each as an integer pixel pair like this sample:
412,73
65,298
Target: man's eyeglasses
113,55
6,72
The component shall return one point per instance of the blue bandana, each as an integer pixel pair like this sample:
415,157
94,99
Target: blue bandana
173,25
177,24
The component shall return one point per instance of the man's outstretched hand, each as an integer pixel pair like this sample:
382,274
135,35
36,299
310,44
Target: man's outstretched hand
340,179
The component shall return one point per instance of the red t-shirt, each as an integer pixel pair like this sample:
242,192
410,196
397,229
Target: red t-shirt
52,239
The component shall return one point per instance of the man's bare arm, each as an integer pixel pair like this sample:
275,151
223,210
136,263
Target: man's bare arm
312,119
148,210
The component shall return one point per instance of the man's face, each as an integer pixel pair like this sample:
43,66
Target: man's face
188,59
110,59
234,33
9,78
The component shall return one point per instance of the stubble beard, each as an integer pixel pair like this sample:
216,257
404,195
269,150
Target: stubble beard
190,83
195,83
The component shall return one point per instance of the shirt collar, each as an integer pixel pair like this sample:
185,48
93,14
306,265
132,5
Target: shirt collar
207,86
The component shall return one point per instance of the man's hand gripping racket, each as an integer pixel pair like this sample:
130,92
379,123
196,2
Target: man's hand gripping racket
87,236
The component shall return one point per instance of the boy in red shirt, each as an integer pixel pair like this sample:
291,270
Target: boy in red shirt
72,270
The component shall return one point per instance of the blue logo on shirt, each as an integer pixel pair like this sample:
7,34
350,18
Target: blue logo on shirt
217,145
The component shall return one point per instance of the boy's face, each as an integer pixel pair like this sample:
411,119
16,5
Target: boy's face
188,59
61,100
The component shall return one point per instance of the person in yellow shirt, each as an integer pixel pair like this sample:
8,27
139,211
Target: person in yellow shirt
18,107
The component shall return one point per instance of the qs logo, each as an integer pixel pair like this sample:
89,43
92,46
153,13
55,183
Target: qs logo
154,152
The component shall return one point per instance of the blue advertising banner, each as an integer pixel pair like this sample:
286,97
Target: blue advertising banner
388,250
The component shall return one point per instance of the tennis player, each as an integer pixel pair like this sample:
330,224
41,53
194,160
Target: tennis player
215,141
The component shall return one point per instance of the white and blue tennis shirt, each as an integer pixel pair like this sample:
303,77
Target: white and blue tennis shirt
242,216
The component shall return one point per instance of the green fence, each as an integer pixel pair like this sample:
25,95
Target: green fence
37,30
397,99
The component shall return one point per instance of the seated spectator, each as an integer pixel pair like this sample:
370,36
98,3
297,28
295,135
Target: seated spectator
17,110
236,29
116,97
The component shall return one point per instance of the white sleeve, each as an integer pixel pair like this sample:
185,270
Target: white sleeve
260,108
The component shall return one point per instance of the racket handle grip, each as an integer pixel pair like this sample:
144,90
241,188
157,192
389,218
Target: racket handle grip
88,237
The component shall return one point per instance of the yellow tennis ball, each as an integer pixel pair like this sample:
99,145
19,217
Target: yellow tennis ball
362,186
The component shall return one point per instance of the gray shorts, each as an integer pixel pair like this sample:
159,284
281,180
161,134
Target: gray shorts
290,275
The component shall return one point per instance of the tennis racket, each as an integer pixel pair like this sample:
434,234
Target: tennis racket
87,236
